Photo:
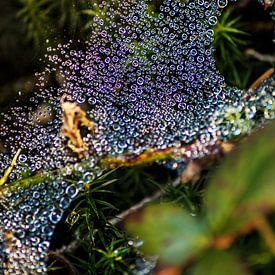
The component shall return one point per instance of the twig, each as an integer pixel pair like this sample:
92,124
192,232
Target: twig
263,77
140,205
259,56
10,168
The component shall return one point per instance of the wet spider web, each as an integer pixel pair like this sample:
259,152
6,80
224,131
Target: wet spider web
148,80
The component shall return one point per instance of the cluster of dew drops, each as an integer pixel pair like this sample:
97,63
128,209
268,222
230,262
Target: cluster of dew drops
147,79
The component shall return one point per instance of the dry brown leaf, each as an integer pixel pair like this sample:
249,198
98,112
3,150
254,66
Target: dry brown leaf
227,147
169,270
73,118
192,172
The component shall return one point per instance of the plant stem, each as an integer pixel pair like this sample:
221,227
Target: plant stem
266,231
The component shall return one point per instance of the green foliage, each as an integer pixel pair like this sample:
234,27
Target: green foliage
229,43
91,12
170,232
69,11
54,20
136,183
241,189
219,262
228,35
35,18
104,248
236,201
114,258
89,208
189,196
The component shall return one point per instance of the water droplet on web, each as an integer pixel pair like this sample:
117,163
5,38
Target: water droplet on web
65,202
72,191
146,81
55,216
212,20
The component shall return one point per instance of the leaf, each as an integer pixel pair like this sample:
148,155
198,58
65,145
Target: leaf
169,270
243,187
218,262
170,232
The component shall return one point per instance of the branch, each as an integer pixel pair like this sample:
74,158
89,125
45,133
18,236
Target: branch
259,56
